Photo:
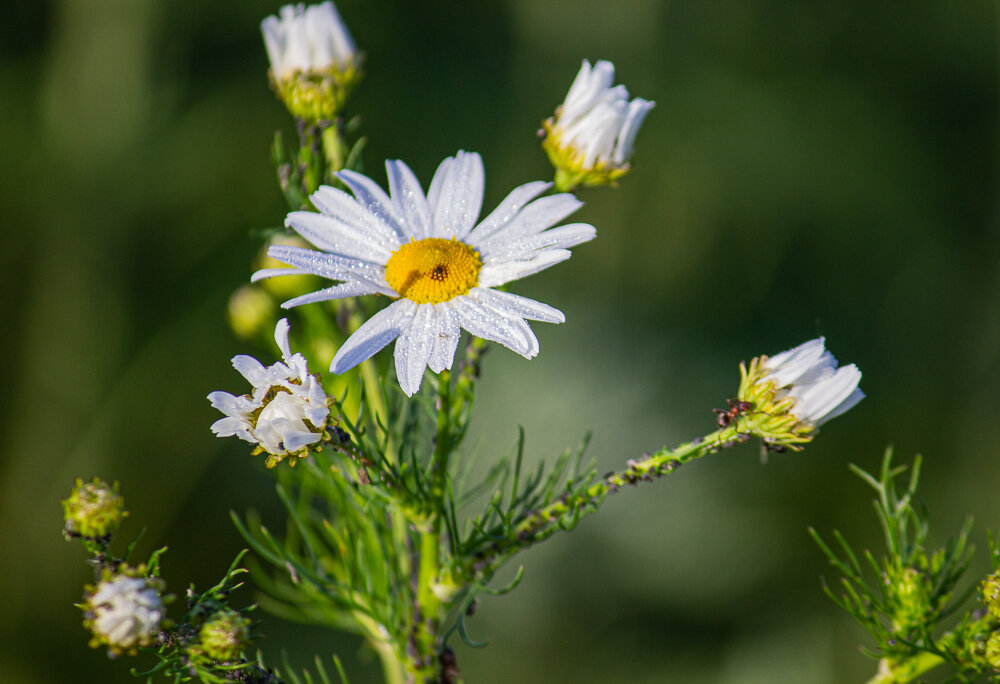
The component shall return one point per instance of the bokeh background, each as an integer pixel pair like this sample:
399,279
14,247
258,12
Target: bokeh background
810,168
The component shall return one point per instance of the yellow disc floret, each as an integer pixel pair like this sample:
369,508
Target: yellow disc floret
433,270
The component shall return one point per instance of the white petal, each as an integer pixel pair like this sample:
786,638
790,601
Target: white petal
374,200
507,210
537,216
846,405
273,272
637,111
373,335
250,368
233,425
337,204
409,200
229,404
446,340
494,275
456,195
825,396
516,305
337,237
281,338
786,367
500,248
488,324
332,266
413,348
354,288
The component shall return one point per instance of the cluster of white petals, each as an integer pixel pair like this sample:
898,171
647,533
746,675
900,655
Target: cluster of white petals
304,38
360,234
597,119
809,374
126,611
287,409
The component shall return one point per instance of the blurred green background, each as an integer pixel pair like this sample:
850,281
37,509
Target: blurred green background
810,168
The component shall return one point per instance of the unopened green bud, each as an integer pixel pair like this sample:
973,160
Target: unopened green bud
912,591
990,589
250,311
93,509
225,635
993,651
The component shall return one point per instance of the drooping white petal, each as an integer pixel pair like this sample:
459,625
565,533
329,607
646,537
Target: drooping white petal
250,368
846,405
409,200
446,340
413,348
818,400
456,195
373,335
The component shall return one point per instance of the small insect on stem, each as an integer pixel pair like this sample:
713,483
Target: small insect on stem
736,409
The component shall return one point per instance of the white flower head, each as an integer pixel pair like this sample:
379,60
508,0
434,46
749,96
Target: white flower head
302,38
124,612
314,62
593,132
287,409
809,375
792,393
429,253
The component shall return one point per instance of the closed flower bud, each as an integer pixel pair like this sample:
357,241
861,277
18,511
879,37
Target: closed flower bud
589,140
314,62
990,591
911,591
93,509
791,394
225,635
287,410
250,309
124,611
993,651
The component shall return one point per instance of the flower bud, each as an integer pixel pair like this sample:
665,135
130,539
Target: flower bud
314,62
990,592
287,410
590,139
93,509
124,611
792,393
250,309
225,635
993,651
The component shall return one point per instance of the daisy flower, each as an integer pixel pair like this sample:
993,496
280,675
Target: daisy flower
429,254
792,393
285,413
590,139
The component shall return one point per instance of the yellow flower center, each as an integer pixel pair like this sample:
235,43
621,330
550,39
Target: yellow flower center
433,270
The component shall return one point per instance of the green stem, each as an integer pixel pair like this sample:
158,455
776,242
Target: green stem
563,513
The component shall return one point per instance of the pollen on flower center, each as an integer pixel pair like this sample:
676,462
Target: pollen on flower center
433,270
